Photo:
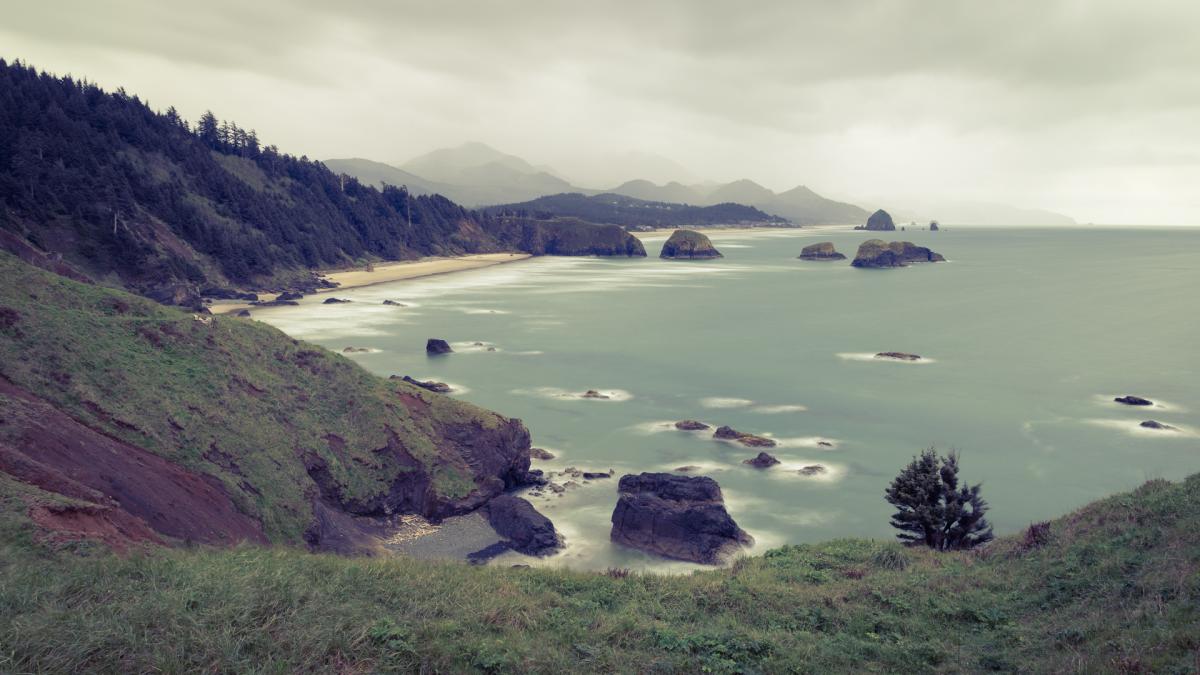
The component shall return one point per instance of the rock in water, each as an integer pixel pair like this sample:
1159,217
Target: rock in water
335,301
762,461
439,387
812,470
691,425
688,245
1130,399
821,251
880,221
933,226
436,346
727,433
592,393
243,313
1151,424
879,253
898,356
681,517
541,453
528,531
393,303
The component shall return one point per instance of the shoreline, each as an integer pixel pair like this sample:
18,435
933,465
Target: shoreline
400,270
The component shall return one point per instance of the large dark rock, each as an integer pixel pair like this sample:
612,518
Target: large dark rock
879,253
691,425
528,531
821,251
880,221
762,461
681,517
688,245
1151,424
436,346
288,296
220,293
898,356
179,294
336,301
1130,399
728,433
933,226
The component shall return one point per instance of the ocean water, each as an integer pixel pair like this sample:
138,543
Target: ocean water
1028,335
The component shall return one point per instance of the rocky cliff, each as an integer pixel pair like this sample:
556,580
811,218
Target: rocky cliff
879,221
688,245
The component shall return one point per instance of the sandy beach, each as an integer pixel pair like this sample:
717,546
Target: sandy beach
391,271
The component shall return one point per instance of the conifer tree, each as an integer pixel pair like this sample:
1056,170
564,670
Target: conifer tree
933,510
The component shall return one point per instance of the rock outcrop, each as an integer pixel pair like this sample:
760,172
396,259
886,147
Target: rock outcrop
1130,399
727,433
878,254
527,531
897,356
812,470
1151,424
336,301
439,387
691,425
933,226
688,245
436,346
680,517
880,221
762,461
820,251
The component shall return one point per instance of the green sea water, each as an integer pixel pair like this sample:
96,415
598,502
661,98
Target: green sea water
1028,334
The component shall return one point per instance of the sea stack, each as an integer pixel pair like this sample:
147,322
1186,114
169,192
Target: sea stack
681,517
879,253
688,245
436,346
821,251
880,221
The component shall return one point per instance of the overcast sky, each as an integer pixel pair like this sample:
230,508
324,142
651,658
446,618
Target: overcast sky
1088,107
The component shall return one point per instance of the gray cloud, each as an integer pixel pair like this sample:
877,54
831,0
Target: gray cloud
1043,103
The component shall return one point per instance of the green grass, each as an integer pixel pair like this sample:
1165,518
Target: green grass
184,389
1114,588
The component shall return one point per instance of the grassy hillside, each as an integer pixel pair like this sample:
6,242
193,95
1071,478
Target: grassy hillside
1113,587
282,425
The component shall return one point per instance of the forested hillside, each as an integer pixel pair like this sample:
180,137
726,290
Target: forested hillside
630,212
147,200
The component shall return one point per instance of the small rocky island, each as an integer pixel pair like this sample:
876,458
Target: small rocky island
691,425
898,356
1151,424
1130,399
680,517
820,251
762,461
688,245
727,433
435,346
877,253
880,221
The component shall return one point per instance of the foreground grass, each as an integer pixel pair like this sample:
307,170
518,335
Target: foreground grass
1114,587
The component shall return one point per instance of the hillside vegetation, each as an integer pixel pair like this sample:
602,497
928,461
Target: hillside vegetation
1113,587
114,400
629,212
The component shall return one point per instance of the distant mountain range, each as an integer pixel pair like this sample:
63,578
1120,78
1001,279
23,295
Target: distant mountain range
474,174
631,212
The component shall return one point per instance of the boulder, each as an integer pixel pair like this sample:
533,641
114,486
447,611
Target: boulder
690,468
243,313
528,531
1130,399
178,294
680,517
594,475
727,433
877,253
393,303
898,356
820,251
541,453
356,350
880,221
688,245
812,470
220,293
1151,424
691,425
592,393
335,301
933,226
436,346
287,296
439,387
762,461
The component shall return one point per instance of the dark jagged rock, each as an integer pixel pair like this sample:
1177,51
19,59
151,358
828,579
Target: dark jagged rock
541,453
393,303
680,517
528,531
762,461
178,294
335,301
880,221
220,293
691,425
439,387
436,346
898,356
690,468
592,393
812,470
288,296
593,475
727,433
878,253
356,350
1151,424
821,251
688,245
243,313
933,226
1130,399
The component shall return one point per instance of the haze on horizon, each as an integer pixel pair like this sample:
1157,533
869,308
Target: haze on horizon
1089,108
